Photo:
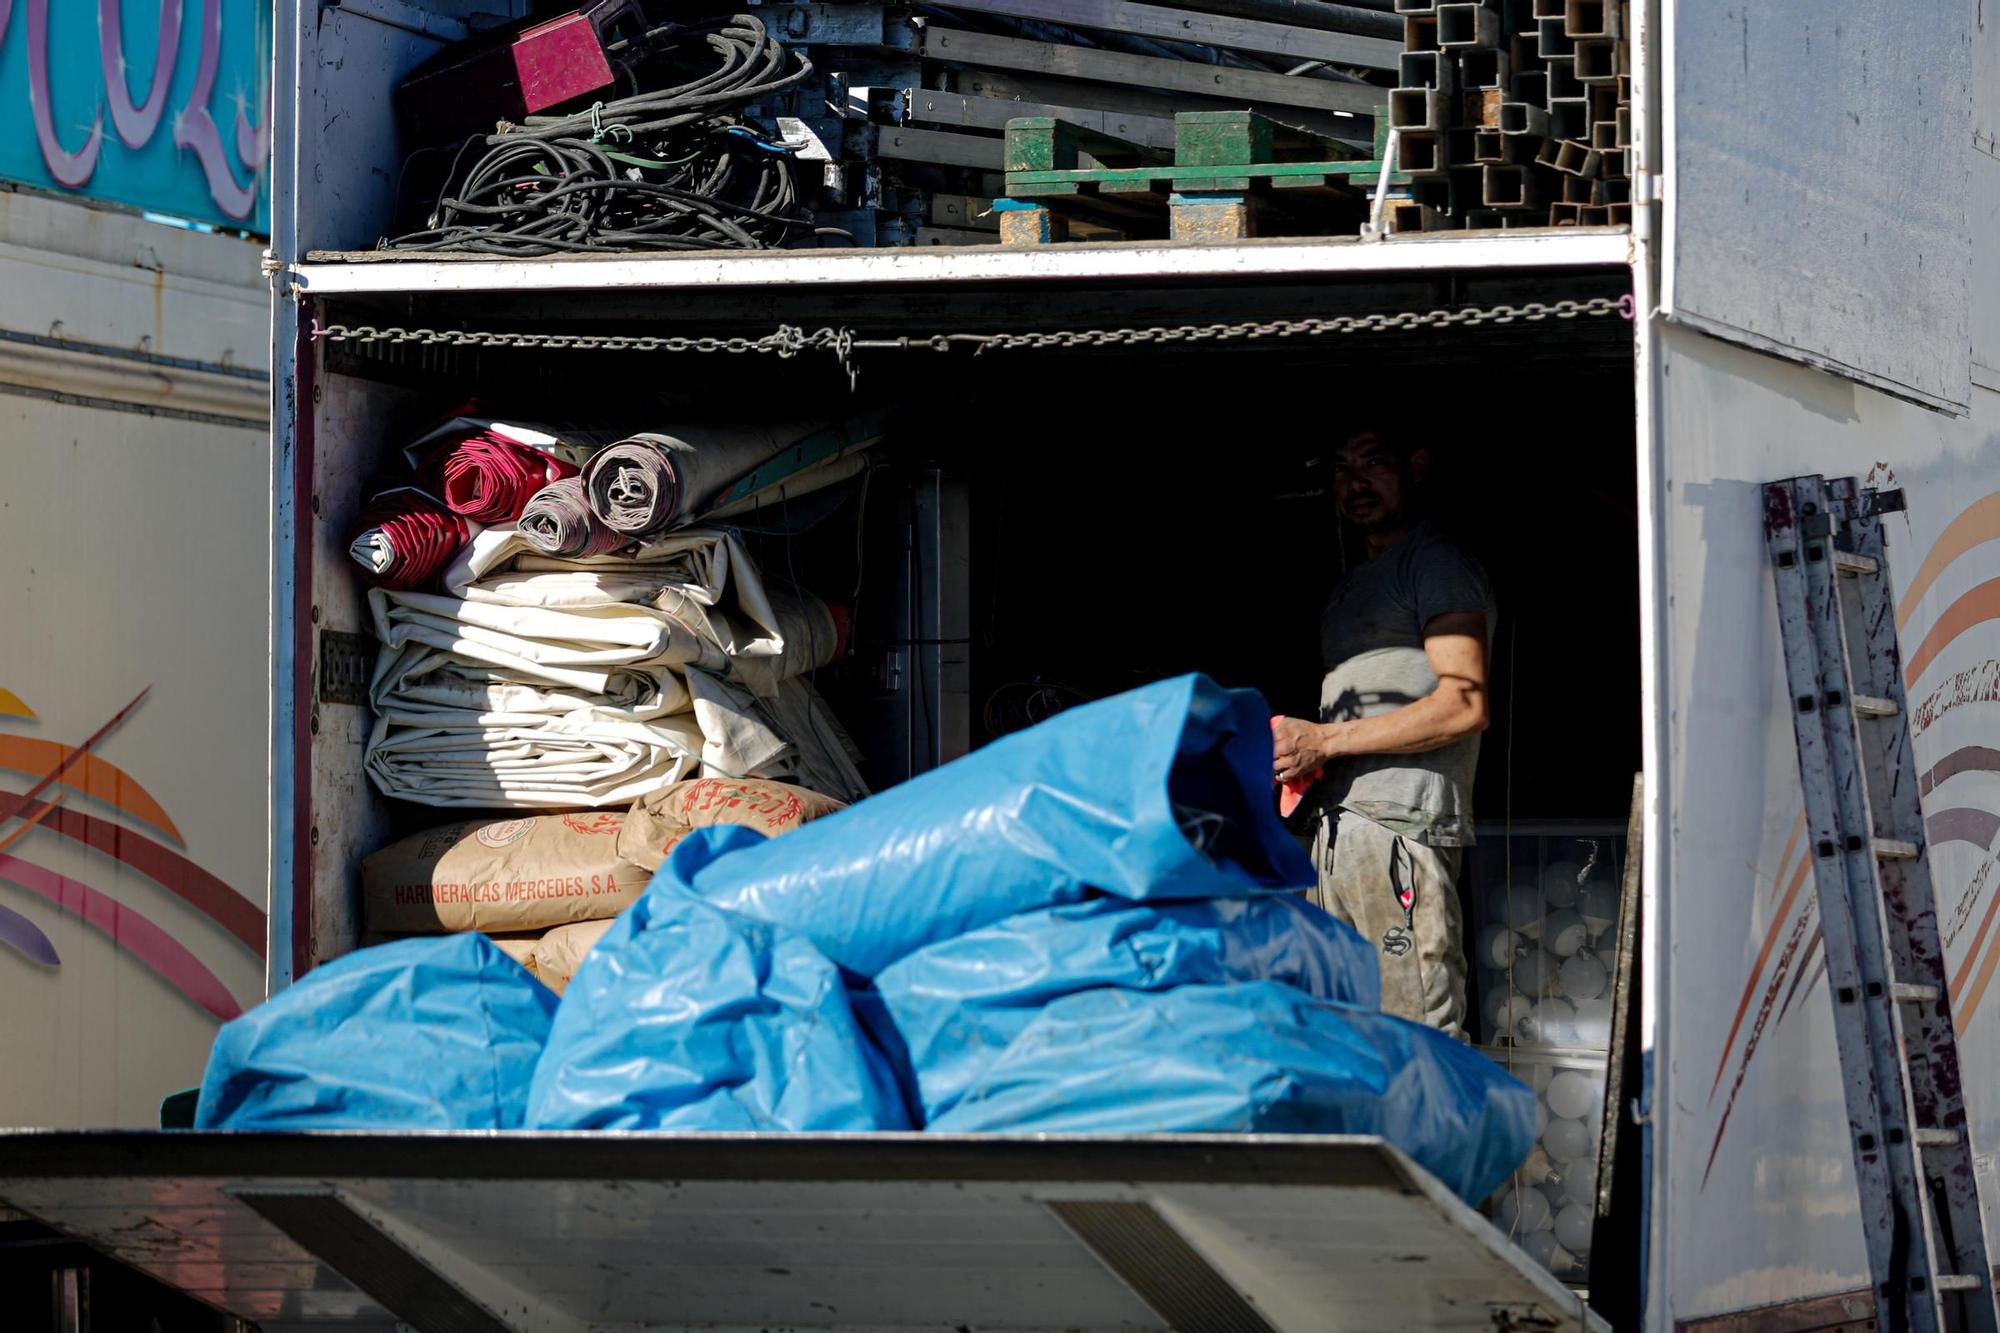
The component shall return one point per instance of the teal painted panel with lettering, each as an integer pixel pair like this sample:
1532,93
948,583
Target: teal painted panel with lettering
161,105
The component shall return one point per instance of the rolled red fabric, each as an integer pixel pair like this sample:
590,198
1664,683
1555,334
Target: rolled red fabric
404,539
490,479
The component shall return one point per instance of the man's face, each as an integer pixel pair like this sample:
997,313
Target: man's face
1371,483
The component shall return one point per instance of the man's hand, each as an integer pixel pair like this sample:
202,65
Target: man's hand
1300,747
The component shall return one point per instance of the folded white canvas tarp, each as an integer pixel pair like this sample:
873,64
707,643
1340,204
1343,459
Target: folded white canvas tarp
538,681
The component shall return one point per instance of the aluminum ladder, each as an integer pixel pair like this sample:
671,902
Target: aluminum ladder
1913,1155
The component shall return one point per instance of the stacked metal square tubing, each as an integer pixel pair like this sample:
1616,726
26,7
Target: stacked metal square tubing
1512,113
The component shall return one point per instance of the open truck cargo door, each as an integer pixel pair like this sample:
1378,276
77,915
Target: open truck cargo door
606,1231
1839,240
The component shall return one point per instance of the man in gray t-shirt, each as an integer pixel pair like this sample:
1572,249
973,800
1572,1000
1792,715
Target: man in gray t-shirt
1404,638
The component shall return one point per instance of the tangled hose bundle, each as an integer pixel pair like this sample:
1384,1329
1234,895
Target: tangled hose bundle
674,168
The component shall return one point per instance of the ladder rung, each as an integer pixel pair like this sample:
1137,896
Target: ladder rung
1871,705
1850,564
1909,992
1959,1282
1937,1138
1895,849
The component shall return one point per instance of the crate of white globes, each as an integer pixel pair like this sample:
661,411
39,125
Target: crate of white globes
1543,900
1549,1205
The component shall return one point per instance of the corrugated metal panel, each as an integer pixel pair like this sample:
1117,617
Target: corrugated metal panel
1816,176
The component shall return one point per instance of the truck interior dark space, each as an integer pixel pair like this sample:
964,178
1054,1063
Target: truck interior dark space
1101,534
1117,535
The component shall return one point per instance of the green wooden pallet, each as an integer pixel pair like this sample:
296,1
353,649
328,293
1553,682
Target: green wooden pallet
1231,174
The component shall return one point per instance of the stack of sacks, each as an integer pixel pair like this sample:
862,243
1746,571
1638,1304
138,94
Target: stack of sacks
543,681
544,888
505,877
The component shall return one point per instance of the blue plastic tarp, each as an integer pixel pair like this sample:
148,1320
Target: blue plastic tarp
946,1011
434,1033
1160,793
1255,1058
688,1017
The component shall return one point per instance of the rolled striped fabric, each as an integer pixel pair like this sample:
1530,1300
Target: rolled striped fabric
558,521
646,484
404,539
489,478
634,486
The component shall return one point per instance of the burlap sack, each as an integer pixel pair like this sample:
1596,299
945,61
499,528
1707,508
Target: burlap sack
501,875
561,952
661,819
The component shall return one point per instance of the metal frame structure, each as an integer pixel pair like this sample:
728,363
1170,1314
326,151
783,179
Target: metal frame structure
602,1231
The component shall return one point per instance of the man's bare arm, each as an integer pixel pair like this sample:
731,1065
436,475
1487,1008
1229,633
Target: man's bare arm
1455,646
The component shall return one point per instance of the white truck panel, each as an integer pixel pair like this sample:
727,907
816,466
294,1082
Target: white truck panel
1755,1162
1816,184
134,519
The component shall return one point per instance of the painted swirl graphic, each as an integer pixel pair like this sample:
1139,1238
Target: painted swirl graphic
59,771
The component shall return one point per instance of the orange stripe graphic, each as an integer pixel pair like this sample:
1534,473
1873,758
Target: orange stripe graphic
1791,845
90,775
1979,523
1972,950
11,705
1757,969
1970,1009
1976,607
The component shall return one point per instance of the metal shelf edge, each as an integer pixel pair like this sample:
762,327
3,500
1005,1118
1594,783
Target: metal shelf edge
1567,247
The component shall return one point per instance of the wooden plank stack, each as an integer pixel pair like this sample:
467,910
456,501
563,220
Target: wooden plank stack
1121,69
1512,113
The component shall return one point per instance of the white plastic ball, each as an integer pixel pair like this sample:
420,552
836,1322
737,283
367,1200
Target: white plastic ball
1519,908
1522,1210
1584,976
1506,1012
1563,932
1598,902
1564,1265
1541,1247
1536,1076
1533,972
1497,946
1567,1141
1572,1228
1574,1095
1559,883
1554,1021
1537,1169
1593,1022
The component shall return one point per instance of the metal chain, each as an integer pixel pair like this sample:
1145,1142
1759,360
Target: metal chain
790,340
